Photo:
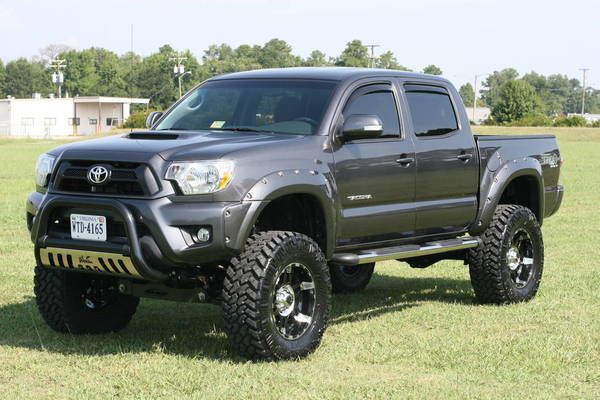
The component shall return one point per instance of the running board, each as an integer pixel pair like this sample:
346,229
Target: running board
406,251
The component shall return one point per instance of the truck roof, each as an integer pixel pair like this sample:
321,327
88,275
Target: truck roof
325,73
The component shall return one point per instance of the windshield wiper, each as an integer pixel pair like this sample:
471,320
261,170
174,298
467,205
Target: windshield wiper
242,129
172,129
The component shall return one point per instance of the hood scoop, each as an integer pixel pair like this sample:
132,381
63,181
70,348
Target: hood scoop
152,136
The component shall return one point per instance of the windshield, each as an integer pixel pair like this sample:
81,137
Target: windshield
267,105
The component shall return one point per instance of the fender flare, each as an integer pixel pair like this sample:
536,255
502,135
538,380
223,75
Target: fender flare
494,183
288,182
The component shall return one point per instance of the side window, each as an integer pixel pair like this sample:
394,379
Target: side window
431,112
380,103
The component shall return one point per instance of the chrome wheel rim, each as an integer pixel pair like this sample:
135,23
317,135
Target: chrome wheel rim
293,301
520,259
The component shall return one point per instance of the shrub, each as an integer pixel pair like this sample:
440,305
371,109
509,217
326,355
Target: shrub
516,99
575,120
532,120
137,119
596,124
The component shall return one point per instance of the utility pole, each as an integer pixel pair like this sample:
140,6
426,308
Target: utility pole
130,79
372,47
474,97
584,70
178,68
58,78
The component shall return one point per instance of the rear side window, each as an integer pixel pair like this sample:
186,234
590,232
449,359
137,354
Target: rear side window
379,103
431,112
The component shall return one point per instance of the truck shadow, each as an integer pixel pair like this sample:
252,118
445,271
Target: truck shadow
196,331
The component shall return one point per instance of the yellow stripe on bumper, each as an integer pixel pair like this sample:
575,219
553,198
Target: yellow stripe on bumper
94,261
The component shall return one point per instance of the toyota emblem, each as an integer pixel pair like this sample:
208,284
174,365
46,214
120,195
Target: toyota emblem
98,175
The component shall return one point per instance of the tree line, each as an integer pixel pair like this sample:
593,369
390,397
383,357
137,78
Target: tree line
101,72
533,99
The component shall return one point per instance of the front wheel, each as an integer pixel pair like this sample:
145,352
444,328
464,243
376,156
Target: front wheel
507,267
276,296
79,303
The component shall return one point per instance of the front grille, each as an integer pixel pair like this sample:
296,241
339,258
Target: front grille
127,179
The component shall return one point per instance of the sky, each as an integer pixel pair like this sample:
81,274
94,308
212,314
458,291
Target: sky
463,37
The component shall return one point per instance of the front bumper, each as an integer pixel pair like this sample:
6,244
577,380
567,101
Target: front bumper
154,236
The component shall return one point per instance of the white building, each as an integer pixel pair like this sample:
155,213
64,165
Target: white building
479,114
590,118
38,117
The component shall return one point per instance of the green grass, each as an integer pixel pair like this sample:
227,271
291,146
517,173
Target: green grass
412,333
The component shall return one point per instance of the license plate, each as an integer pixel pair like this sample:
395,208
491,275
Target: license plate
88,227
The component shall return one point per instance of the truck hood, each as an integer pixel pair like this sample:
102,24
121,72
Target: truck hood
172,145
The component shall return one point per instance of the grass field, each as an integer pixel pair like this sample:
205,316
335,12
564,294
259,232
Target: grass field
411,334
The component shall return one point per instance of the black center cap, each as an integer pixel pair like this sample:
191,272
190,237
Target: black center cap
98,175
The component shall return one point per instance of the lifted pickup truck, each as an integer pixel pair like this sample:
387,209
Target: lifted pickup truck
266,191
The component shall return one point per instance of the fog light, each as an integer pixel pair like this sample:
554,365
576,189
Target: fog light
203,235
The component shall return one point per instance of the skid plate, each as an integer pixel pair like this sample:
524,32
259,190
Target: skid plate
94,261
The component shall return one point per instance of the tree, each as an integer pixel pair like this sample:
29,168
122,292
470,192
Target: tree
23,78
354,55
156,80
515,99
52,51
467,94
81,77
277,53
432,70
388,61
130,63
492,84
317,59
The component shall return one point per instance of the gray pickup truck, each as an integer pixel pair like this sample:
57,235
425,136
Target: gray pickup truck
266,191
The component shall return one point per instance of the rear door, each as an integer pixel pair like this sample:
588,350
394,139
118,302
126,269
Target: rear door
375,177
446,157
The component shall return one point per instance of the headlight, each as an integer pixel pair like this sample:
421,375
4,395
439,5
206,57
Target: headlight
200,177
43,169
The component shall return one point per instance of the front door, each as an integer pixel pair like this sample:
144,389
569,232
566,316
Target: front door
375,177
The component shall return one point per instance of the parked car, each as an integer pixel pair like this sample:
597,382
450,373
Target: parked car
266,191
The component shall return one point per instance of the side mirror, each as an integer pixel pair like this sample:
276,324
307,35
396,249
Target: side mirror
361,126
152,118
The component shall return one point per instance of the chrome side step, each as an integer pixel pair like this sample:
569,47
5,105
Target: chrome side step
406,251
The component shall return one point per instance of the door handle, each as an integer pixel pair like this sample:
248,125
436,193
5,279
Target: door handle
465,157
405,161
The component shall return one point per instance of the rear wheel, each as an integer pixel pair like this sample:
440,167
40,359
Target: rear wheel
350,278
81,303
276,296
507,267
